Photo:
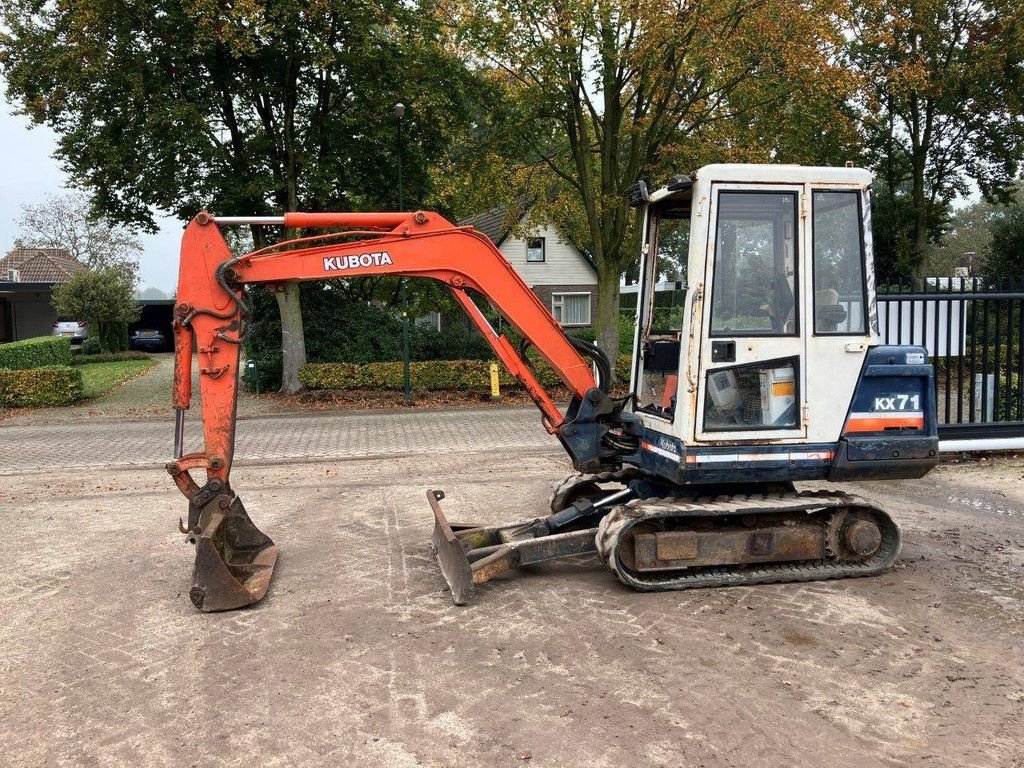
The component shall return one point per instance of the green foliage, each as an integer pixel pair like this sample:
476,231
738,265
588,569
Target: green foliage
463,375
433,375
100,378
941,108
114,336
623,369
103,298
35,353
893,218
91,347
597,97
107,357
48,385
341,329
246,107
1006,255
1009,407
969,231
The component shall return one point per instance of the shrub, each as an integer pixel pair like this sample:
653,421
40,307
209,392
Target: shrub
91,346
341,329
455,342
623,369
49,385
35,353
105,299
432,375
108,357
114,337
466,375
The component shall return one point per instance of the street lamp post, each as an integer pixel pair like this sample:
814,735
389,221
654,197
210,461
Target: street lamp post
399,113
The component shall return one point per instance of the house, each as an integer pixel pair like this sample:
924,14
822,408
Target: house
563,276
27,278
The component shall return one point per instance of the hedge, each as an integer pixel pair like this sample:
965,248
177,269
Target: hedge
432,375
35,353
49,385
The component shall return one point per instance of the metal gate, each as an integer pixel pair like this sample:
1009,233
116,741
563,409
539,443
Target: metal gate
973,329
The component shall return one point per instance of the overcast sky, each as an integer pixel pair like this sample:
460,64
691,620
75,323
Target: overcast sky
30,173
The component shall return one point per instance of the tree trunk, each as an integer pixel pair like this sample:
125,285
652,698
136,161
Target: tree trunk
293,342
607,322
919,235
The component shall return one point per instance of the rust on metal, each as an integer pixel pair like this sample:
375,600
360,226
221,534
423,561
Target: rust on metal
472,554
673,550
234,559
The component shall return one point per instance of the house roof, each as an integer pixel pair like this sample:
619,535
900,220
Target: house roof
497,224
40,265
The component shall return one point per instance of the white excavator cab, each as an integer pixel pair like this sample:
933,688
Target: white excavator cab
768,344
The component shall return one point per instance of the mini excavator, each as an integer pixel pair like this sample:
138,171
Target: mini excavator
770,371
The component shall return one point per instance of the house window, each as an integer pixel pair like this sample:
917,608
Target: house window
535,249
571,308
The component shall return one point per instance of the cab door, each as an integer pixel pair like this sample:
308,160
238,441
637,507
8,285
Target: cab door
752,365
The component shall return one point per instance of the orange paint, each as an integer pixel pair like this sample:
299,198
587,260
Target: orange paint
868,424
207,320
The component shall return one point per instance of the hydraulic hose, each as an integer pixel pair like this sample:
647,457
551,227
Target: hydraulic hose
590,351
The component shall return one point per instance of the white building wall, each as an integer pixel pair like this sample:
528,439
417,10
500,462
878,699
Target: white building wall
562,265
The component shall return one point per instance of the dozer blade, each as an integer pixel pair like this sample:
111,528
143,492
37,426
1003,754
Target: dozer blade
472,554
234,559
451,557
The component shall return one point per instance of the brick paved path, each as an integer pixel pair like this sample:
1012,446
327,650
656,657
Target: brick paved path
334,435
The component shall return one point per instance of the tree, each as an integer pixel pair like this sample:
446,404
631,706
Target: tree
941,106
1005,257
103,298
152,293
605,94
66,221
969,230
236,108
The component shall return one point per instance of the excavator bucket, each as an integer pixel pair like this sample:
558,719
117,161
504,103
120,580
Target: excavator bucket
473,554
234,559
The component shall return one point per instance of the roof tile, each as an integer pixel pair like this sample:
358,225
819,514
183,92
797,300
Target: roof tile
40,265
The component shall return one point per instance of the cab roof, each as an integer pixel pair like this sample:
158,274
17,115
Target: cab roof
768,173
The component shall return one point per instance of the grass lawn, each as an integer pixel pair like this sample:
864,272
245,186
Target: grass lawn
100,378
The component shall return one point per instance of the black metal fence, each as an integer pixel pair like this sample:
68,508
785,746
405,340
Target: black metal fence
973,329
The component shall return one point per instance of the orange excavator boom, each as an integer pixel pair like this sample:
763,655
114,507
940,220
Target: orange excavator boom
234,560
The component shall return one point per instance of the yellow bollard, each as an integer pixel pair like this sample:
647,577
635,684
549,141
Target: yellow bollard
495,389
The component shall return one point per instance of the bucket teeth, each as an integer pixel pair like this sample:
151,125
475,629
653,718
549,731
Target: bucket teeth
234,559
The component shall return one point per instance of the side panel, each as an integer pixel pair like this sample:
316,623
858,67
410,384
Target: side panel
891,427
889,431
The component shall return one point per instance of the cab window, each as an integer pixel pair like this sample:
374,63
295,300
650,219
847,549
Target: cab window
664,297
754,287
838,250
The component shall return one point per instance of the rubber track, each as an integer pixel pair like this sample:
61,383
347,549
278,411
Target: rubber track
616,524
562,488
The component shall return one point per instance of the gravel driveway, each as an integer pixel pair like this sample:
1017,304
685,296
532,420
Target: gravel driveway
357,656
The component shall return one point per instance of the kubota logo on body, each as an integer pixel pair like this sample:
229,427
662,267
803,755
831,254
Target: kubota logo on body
377,259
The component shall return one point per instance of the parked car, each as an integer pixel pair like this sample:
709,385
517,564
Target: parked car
74,330
148,340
